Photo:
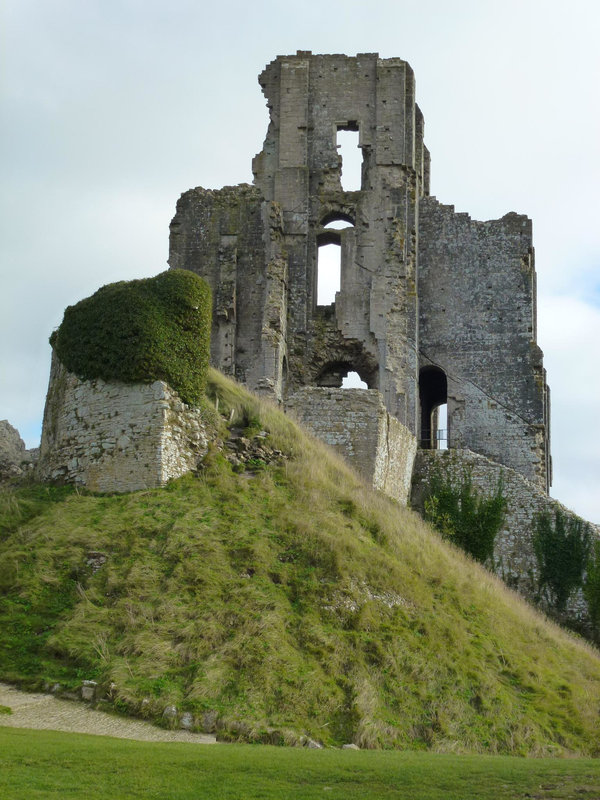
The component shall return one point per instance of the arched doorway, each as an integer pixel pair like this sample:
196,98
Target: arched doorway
433,396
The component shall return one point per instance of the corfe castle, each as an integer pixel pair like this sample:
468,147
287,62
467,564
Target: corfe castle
434,309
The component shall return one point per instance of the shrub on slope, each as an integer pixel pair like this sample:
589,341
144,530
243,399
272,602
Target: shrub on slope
284,601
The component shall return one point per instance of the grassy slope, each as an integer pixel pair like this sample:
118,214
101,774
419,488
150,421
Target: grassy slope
289,600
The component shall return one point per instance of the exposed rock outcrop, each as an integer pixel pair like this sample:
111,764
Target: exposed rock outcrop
15,459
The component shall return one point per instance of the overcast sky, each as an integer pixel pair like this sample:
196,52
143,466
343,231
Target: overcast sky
112,108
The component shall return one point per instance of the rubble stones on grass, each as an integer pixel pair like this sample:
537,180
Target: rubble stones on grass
209,721
313,745
187,721
95,560
170,715
252,453
88,691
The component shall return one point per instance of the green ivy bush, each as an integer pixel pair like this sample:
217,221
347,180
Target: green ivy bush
463,515
561,549
591,586
141,331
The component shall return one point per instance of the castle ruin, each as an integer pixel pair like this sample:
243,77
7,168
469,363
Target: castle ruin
433,309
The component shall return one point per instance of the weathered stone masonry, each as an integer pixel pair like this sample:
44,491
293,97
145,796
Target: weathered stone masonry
117,437
477,297
433,307
355,423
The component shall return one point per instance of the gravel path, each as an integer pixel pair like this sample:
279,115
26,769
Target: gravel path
46,712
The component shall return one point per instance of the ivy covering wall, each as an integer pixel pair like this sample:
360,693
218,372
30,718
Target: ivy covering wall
141,331
561,544
465,515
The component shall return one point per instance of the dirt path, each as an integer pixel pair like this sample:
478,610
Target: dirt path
46,712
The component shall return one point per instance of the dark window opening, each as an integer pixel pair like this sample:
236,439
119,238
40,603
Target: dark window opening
433,396
284,375
351,156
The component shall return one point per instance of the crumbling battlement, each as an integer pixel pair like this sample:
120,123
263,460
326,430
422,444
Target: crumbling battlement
477,309
433,308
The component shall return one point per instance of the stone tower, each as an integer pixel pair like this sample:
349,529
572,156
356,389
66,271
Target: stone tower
433,309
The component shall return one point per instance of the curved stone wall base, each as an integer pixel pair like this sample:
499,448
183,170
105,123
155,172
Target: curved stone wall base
116,437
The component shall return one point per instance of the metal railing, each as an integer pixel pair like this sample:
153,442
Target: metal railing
437,441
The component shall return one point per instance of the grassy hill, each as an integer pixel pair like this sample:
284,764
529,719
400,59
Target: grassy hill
283,598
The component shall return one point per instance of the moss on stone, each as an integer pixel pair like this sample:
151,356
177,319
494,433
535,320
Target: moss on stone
141,331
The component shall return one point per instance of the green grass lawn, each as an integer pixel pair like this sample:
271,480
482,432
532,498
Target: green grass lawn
36,764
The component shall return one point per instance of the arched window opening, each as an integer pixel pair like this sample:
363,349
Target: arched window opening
338,220
353,381
329,256
351,154
338,225
329,270
433,395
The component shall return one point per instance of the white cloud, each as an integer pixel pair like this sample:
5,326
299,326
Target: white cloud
569,332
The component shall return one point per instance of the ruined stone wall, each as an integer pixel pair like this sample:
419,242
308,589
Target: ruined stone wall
232,239
115,437
514,558
477,305
355,423
15,459
268,330
420,284
372,327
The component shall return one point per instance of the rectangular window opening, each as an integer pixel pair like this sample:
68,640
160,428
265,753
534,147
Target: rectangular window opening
329,270
351,154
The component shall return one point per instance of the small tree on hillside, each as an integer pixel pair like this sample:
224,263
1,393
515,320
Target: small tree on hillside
463,515
561,550
591,587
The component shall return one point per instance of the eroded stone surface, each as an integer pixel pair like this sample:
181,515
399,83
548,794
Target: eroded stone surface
422,288
477,293
357,425
15,459
116,437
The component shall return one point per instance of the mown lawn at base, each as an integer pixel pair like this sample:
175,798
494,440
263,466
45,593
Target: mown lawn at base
41,764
